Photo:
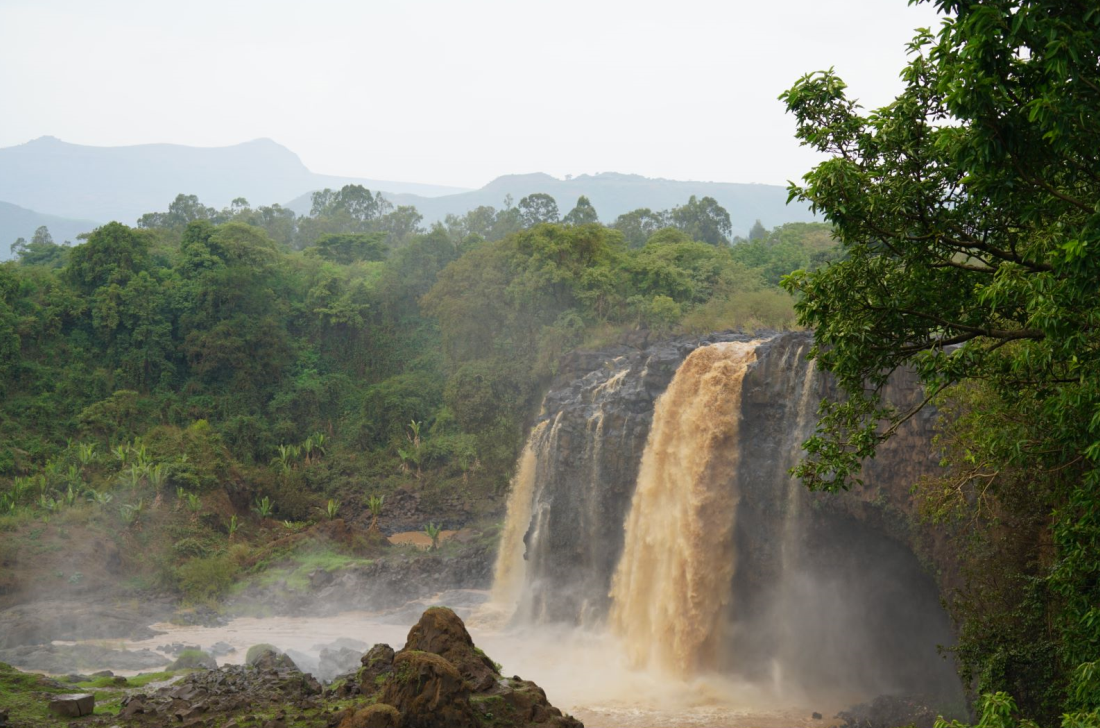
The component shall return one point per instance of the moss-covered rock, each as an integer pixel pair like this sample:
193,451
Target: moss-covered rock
193,660
441,632
379,715
428,691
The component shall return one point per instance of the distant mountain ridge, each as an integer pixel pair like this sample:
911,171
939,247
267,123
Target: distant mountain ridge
18,222
122,183
54,178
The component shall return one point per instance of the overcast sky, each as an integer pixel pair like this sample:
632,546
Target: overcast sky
449,91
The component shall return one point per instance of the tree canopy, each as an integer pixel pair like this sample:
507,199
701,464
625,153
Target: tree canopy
967,210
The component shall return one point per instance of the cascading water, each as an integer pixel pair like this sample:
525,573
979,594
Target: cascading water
510,569
658,502
672,585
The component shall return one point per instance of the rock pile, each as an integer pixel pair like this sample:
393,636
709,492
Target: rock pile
272,683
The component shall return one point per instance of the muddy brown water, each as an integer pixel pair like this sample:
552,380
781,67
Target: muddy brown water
584,672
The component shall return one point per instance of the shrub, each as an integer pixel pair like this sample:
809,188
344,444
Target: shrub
208,577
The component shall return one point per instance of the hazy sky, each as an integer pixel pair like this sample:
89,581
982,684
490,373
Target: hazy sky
449,91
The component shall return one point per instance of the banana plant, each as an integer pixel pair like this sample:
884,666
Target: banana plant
100,497
374,503
264,507
286,457
86,453
194,503
48,504
130,512
158,476
432,531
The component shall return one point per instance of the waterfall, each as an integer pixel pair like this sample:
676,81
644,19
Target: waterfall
796,492
653,501
509,571
673,582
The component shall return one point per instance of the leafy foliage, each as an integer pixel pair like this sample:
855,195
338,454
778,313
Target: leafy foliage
967,212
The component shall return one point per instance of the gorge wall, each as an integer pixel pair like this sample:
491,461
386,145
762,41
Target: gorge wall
806,592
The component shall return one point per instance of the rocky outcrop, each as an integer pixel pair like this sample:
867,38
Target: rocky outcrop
441,680
201,697
441,632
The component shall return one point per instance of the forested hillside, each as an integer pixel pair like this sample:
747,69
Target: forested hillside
246,362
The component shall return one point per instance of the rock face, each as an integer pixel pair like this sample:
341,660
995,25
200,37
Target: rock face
821,580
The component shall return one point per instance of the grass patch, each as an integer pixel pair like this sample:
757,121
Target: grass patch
24,694
137,681
294,569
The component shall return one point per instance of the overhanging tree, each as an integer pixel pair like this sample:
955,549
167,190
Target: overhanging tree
969,211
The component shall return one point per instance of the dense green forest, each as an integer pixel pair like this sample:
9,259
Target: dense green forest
300,365
968,214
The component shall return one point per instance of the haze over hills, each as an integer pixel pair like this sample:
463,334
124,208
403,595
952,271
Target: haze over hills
18,222
51,180
613,194
122,183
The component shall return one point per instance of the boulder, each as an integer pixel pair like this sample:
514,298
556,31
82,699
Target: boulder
441,632
72,705
267,657
193,659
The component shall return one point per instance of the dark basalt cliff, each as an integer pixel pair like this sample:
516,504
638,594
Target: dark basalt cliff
827,591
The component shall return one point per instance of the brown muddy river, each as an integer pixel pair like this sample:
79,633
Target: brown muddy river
583,672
